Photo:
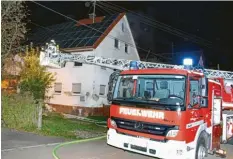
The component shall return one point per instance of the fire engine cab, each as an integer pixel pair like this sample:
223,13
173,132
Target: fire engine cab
162,110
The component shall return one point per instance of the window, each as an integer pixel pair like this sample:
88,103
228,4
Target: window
57,87
116,43
123,27
194,92
77,64
126,48
159,90
102,89
76,88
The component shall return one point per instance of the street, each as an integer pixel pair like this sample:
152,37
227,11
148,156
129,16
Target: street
38,147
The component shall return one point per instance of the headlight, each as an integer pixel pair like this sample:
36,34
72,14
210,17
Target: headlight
113,123
172,133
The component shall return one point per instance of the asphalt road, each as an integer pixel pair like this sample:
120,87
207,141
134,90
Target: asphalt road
38,147
13,139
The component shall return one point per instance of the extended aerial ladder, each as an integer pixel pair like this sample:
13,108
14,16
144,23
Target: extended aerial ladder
51,56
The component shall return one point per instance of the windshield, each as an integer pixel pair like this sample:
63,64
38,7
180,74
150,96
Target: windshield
160,90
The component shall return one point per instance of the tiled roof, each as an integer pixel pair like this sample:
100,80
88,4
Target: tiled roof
70,35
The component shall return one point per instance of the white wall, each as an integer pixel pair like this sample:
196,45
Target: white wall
92,76
73,74
107,49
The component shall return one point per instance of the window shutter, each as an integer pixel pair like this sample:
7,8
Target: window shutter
58,87
76,88
102,89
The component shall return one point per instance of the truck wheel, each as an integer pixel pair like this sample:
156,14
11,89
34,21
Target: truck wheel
201,150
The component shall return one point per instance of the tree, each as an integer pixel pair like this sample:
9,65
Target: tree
35,79
13,27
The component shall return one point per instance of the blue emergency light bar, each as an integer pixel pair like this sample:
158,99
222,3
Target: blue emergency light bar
187,62
133,65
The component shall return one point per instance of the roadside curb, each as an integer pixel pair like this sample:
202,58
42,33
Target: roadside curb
73,142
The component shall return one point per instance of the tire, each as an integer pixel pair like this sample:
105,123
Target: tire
201,149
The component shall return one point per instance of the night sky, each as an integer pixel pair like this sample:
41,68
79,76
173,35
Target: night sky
212,21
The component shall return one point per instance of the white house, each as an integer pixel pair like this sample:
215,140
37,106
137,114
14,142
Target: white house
81,88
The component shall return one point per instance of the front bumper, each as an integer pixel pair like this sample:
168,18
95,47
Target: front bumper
168,150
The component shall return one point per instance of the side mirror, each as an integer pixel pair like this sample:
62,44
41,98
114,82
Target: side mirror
204,86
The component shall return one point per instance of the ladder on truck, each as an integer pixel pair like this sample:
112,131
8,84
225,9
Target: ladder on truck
52,57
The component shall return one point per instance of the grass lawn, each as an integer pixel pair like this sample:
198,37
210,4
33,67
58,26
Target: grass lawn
56,125
20,115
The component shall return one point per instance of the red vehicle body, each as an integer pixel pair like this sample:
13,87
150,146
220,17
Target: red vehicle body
169,113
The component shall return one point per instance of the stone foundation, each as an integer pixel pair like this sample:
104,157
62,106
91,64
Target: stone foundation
78,110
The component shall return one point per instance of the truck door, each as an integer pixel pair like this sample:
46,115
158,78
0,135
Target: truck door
194,112
216,122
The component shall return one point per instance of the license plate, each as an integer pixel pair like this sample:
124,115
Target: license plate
144,138
139,142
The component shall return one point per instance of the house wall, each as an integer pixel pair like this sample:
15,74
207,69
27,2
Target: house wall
106,47
91,76
72,74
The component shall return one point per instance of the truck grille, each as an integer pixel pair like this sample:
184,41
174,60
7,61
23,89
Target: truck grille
143,127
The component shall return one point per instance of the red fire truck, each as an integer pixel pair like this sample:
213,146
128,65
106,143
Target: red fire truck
162,110
170,113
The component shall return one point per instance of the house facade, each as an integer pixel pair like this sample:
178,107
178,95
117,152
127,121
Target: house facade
82,89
